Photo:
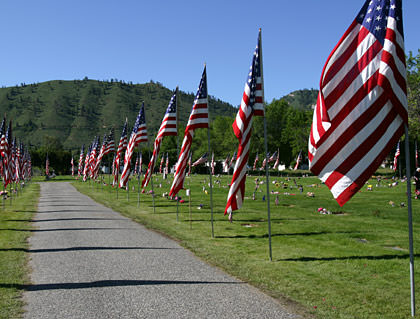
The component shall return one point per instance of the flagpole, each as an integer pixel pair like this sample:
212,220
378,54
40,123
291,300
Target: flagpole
410,222
266,152
138,183
177,145
210,177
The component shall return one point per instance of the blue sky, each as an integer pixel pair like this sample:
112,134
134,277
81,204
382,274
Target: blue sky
169,41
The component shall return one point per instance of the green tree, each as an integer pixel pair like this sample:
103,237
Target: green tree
413,93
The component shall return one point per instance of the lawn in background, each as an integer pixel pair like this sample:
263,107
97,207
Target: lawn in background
352,263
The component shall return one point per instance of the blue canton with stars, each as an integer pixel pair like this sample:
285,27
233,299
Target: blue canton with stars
172,104
254,73
374,16
141,119
202,88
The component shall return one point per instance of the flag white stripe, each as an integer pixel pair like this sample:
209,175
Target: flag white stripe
357,112
364,46
355,142
342,48
357,83
362,165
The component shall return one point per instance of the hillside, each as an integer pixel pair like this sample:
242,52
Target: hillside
302,99
75,111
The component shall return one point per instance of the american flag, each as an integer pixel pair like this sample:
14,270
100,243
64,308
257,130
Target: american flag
136,164
397,154
122,145
201,160
362,102
232,159
264,161
86,168
161,164
298,160
19,162
167,164
47,166
255,162
277,162
110,143
138,135
2,136
251,104
198,119
72,166
80,167
226,164
167,128
99,158
7,159
93,156
273,157
13,173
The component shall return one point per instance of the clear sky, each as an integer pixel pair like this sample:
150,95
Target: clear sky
169,41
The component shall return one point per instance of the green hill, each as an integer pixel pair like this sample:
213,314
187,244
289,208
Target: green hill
302,99
75,111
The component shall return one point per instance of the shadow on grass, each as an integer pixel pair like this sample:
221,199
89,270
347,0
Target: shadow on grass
54,250
58,219
380,257
65,229
285,234
112,283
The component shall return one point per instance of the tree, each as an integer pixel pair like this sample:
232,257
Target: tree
413,93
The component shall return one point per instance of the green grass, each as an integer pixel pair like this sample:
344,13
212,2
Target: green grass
349,265
15,226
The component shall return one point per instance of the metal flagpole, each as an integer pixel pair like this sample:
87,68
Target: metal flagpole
189,200
138,183
151,180
210,177
266,152
177,145
410,222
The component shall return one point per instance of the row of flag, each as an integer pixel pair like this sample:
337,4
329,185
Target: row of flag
15,162
359,116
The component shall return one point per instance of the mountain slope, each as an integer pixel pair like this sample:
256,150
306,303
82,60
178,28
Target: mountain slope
75,111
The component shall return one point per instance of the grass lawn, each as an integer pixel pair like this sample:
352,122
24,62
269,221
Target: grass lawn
15,226
350,264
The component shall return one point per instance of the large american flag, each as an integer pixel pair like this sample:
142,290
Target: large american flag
122,145
362,102
199,118
167,128
251,104
138,135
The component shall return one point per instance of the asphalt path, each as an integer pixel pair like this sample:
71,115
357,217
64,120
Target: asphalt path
88,261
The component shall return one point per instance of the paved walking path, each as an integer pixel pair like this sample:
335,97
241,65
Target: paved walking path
88,261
